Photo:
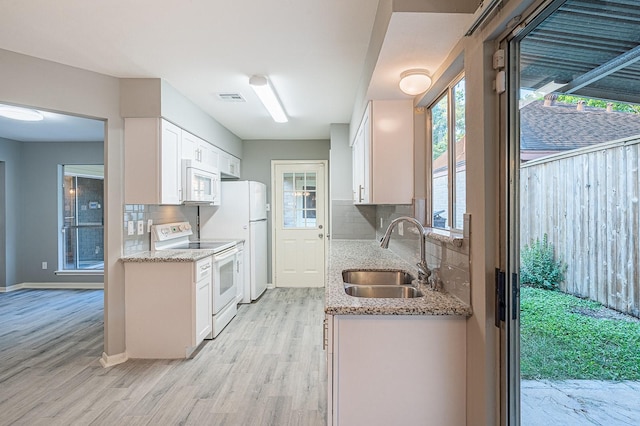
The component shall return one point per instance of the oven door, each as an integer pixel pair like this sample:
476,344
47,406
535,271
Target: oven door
224,279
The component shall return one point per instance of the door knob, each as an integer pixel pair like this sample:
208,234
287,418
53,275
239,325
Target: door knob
320,235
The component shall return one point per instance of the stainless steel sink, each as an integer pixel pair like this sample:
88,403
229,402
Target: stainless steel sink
388,291
376,277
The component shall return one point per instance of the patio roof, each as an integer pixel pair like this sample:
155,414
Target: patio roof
590,48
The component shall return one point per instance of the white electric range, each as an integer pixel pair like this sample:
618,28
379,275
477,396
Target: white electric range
175,236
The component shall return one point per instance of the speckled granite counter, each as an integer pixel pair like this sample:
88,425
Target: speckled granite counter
168,256
367,254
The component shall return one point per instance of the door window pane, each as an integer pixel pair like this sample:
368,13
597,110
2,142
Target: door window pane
299,200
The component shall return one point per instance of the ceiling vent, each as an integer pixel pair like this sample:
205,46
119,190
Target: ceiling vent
230,97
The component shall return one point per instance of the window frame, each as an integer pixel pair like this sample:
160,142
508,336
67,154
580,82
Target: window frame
451,154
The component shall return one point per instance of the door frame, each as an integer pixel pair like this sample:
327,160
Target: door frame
274,163
509,203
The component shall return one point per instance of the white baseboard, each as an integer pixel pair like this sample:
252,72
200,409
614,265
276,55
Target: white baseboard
110,360
60,286
270,286
11,288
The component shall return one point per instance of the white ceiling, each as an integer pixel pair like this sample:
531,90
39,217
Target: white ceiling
313,51
54,128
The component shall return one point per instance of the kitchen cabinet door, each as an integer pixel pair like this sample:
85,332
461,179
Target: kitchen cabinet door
198,150
229,165
152,165
170,167
360,152
383,154
203,302
396,370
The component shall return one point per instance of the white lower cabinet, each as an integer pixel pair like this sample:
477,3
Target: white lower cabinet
168,308
396,370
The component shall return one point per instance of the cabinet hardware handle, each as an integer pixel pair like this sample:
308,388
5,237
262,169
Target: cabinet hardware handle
325,333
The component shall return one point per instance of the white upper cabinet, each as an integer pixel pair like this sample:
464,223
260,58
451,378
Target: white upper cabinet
199,150
152,166
229,165
154,149
383,154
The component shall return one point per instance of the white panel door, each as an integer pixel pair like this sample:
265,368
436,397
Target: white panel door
299,224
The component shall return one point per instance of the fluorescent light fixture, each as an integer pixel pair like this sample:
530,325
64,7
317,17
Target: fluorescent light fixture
413,82
22,114
261,85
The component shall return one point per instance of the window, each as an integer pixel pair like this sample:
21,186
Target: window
299,197
82,238
448,161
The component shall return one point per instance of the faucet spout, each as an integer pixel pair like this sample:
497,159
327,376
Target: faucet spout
423,270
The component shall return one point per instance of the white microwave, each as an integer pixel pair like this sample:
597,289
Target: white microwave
200,183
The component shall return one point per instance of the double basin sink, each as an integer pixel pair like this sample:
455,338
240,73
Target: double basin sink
379,284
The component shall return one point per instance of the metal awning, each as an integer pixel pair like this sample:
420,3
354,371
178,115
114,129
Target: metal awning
590,48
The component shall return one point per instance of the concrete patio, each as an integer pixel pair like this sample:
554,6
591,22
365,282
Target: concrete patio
579,402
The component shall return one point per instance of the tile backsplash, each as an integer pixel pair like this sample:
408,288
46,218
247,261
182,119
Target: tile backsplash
451,262
351,222
158,214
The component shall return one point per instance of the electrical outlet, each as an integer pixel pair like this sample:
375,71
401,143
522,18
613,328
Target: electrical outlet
401,229
130,230
44,265
140,227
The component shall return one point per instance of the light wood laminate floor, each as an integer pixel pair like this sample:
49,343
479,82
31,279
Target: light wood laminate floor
266,368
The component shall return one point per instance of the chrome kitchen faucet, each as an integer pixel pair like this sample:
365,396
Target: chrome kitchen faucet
423,269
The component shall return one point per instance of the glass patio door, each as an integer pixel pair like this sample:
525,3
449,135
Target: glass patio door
571,235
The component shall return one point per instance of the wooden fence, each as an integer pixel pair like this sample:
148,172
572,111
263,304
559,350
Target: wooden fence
586,201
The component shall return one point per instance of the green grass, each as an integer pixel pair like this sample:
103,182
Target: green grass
558,341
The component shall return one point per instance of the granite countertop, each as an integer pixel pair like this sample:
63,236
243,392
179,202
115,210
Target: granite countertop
367,254
167,256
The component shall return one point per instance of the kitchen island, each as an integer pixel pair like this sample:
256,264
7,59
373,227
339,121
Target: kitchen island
392,360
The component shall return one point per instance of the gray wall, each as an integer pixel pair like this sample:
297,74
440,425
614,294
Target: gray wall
256,164
39,208
341,174
10,218
30,207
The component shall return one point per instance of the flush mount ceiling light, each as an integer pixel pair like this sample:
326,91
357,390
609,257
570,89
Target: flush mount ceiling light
413,82
261,85
22,114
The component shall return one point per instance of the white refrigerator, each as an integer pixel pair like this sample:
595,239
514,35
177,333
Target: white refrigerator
242,214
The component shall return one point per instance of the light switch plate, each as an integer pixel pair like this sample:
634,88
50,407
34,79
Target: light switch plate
130,230
400,229
140,227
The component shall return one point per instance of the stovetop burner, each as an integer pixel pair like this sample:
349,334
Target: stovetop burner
206,245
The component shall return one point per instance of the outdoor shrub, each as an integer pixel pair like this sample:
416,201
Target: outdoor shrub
538,266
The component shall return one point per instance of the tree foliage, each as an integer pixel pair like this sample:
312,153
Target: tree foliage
440,119
599,103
